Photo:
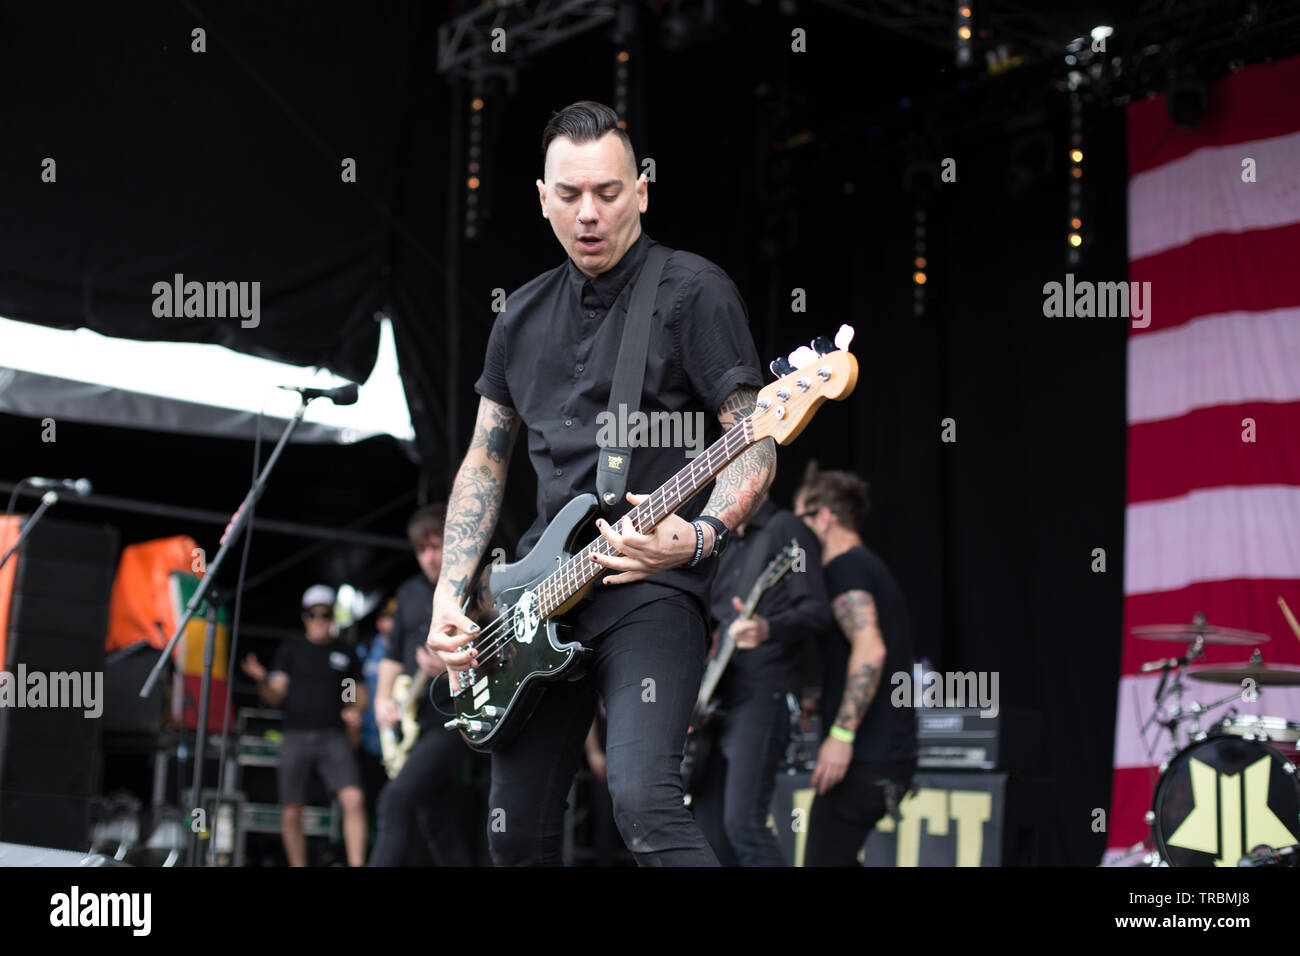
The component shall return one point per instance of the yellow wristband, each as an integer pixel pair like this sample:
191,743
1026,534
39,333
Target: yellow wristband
839,733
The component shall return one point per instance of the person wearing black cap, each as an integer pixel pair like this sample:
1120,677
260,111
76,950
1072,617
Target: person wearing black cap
319,684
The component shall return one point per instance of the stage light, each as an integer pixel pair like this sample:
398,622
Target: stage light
1100,33
920,262
1076,155
1076,172
472,183
1076,223
918,277
962,43
476,103
1076,240
622,56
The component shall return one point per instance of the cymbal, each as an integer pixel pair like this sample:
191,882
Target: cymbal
1209,634
1260,673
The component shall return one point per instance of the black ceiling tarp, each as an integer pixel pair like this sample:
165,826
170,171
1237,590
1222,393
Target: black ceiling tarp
220,166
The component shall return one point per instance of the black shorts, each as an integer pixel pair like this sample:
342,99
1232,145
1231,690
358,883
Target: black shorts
325,751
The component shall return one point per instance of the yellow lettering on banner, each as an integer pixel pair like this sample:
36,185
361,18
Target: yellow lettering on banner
971,809
929,805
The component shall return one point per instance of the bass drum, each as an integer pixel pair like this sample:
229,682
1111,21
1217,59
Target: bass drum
1221,797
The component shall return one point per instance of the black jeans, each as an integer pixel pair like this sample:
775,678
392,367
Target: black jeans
842,817
424,794
647,670
733,804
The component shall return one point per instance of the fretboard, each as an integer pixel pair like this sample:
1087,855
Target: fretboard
579,571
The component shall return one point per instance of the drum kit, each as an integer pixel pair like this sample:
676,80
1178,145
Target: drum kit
1228,792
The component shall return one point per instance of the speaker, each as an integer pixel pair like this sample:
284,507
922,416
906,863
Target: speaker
52,684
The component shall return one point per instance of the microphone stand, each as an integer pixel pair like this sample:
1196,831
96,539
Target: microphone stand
47,499
238,524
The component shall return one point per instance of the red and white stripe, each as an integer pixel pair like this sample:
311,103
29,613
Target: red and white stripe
1213,522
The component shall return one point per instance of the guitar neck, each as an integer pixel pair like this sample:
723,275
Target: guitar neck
579,571
714,670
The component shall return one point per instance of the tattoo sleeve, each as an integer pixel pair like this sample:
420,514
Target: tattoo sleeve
741,484
855,611
476,495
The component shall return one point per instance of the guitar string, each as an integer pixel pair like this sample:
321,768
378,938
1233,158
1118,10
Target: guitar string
568,573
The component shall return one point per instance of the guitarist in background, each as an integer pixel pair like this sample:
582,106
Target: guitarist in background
753,723
867,760
421,794
549,366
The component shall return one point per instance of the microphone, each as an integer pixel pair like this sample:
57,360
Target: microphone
80,487
343,395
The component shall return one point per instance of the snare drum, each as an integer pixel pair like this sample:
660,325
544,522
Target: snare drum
1221,797
1255,727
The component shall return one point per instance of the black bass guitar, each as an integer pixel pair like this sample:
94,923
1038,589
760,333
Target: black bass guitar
699,736
524,647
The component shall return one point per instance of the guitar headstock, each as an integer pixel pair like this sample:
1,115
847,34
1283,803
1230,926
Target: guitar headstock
806,379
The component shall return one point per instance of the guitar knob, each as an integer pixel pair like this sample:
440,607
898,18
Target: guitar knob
821,345
781,367
803,356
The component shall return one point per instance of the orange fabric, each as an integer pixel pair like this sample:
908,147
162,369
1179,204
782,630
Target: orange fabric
9,529
142,595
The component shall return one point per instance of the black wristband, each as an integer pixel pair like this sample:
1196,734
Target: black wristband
719,533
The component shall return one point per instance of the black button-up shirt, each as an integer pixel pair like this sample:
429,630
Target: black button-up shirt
796,609
551,357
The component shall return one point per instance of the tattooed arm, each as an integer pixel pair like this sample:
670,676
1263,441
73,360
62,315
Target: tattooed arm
671,543
742,484
855,611
472,514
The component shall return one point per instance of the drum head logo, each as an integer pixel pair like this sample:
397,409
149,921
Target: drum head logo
1230,812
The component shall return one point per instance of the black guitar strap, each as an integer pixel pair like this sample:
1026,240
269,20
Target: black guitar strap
613,464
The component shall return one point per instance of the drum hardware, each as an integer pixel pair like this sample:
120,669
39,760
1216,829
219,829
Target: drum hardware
1259,727
1221,794
1199,628
1265,855
1262,674
1172,711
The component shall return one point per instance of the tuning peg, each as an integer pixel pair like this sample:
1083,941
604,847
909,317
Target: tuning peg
781,367
843,337
803,356
821,345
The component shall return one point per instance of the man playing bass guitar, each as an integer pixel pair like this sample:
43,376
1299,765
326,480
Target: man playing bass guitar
548,370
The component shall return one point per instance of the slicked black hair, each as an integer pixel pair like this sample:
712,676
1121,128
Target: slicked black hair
585,121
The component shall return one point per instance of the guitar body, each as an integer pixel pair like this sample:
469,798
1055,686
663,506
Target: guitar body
396,749
700,742
496,699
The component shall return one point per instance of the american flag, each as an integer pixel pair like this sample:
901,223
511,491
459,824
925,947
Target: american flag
1213,516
